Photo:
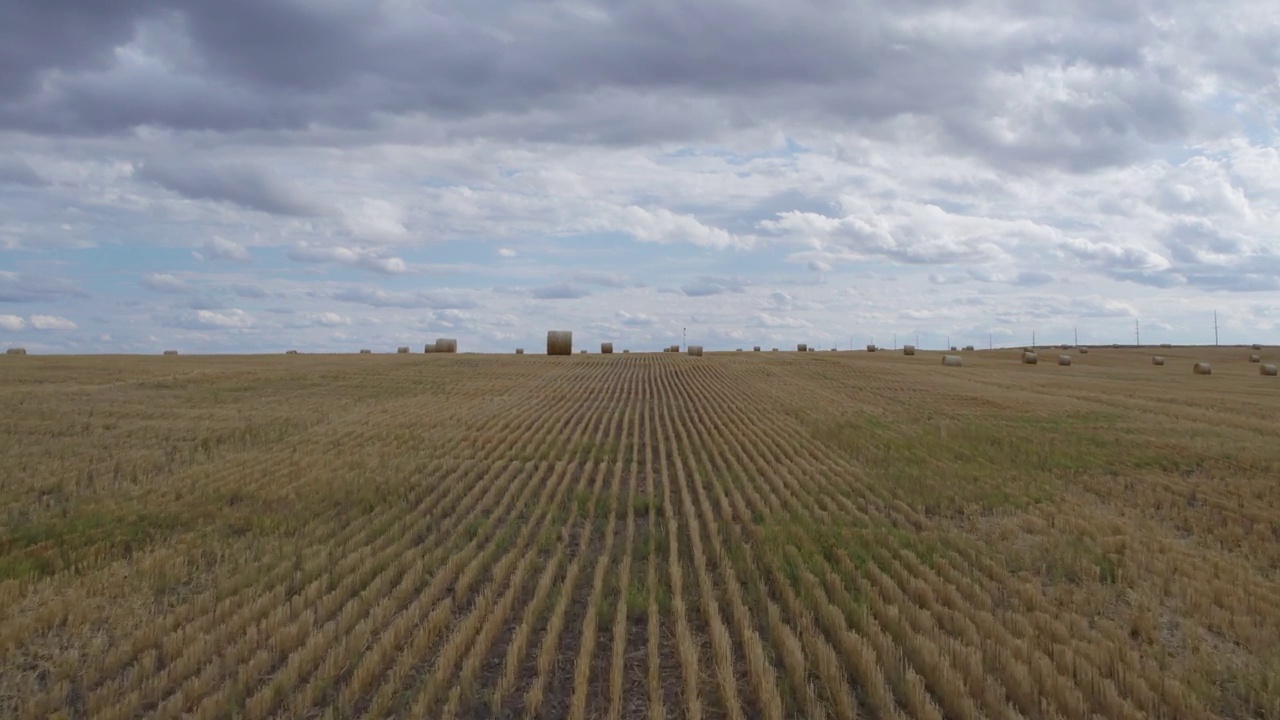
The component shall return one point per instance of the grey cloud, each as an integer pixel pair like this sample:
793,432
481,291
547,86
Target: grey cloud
589,72
1033,278
14,171
243,185
559,291
385,299
206,303
249,291
603,279
22,287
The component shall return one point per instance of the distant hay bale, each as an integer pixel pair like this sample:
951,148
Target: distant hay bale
1029,358
775,350
519,351
1157,360
1255,358
1115,346
802,348
170,352
559,342
429,348
1064,346
695,350
833,349
871,348
582,352
402,350
908,349
1083,350
1267,370
1064,359
674,349
1203,368
952,361
1166,345
1257,346
968,348
363,351
953,348
290,352
446,345
738,350
606,348
755,349
16,351
624,352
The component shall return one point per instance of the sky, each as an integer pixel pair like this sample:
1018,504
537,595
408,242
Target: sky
243,176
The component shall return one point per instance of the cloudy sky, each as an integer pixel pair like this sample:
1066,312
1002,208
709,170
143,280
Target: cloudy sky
256,175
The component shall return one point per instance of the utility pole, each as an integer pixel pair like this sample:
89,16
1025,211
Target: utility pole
991,342
1137,333
895,341
1033,339
684,337
948,342
1215,328
917,339
1076,333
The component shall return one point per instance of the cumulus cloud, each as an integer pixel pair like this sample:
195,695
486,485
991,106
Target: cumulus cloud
165,283
12,323
707,285
635,319
231,319
219,248
52,322
375,259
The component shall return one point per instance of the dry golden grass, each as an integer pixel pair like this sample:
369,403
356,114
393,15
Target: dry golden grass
754,535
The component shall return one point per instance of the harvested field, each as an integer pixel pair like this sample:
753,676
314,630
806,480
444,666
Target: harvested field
744,535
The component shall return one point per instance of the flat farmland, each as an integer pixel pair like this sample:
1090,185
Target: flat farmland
740,535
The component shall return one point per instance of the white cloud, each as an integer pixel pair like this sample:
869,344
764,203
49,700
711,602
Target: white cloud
506,252
221,319
52,322
219,248
12,323
164,283
375,259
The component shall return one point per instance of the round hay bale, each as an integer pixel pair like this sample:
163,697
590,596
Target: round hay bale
582,352
755,349
775,350
624,352
1157,360
1203,368
1255,358
1267,370
402,350
738,350
519,351
813,349
952,361
871,348
606,348
1257,346
170,352
953,348
802,348
1083,350
429,348
908,349
363,351
968,348
695,350
16,351
446,345
1166,345
290,352
1029,358
1064,359
559,342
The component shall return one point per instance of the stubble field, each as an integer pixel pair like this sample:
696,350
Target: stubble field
741,535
